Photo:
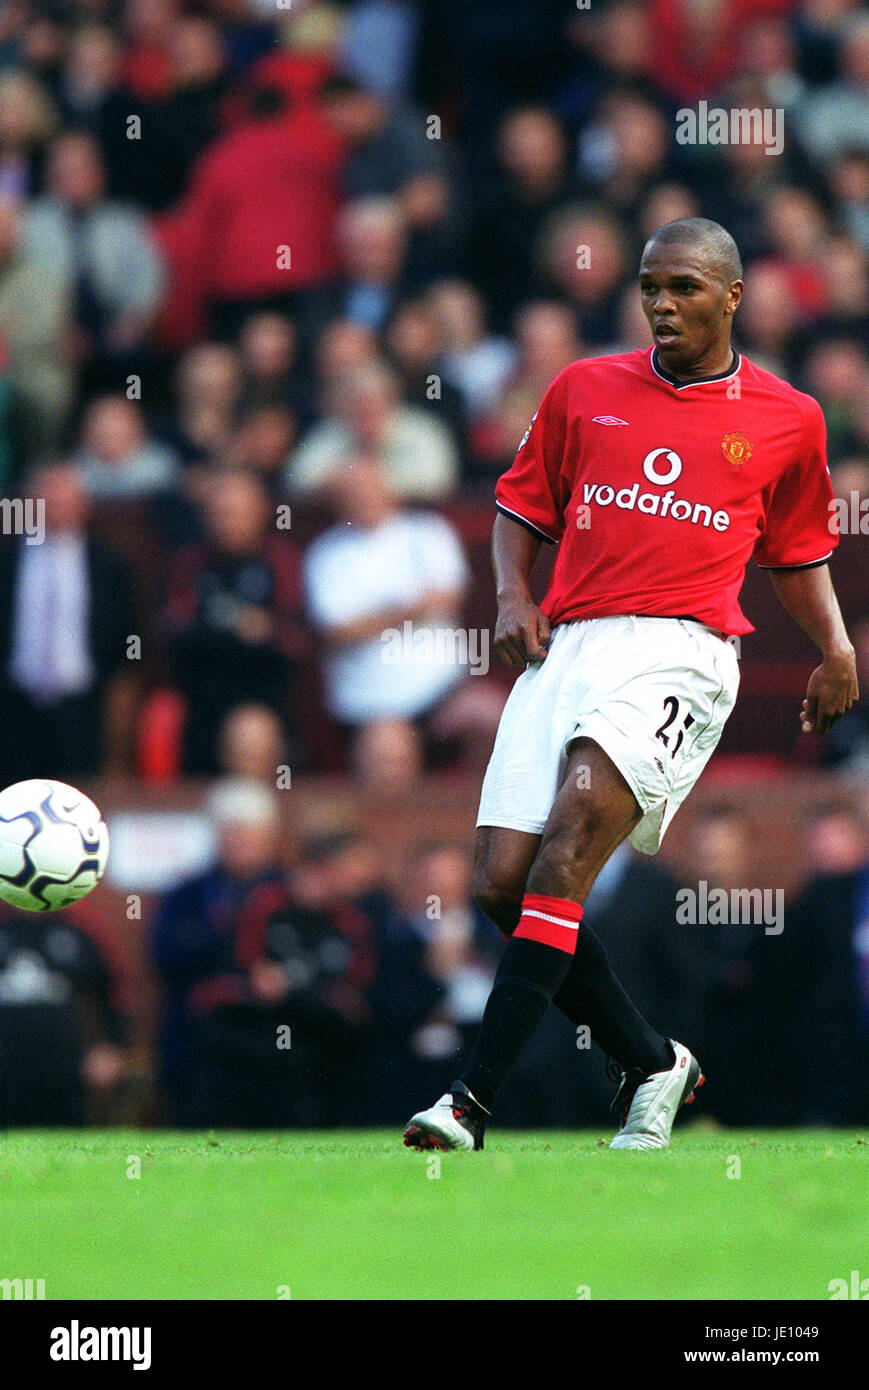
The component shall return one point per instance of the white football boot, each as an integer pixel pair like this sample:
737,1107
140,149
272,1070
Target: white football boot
456,1121
648,1105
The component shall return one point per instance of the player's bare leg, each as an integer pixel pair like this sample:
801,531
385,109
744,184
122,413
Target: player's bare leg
545,962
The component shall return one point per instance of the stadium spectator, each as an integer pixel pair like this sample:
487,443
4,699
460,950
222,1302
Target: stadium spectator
625,149
696,46
372,235
614,44
583,256
147,29
310,960
834,838
493,443
387,758
193,943
34,319
234,615
208,389
836,371
378,46
263,437
833,1061
116,458
547,342
847,280
666,202
367,413
474,361
414,343
532,179
181,123
252,744
256,228
389,150
92,97
66,1014
770,316
752,981
67,613
385,587
835,118
106,254
344,345
268,347
461,946
436,954
27,121
848,178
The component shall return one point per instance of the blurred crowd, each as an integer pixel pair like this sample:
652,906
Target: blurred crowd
319,986
280,290
281,287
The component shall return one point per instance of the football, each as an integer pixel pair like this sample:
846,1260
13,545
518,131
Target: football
54,845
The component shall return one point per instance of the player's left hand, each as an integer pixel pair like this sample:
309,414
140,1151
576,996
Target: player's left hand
831,691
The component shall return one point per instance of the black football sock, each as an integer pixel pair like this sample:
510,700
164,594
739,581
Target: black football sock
532,970
592,995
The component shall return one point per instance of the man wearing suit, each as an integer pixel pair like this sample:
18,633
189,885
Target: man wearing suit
67,689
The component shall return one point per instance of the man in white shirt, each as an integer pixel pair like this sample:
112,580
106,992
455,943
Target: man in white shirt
385,587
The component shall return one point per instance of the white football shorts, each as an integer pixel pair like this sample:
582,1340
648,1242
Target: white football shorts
654,693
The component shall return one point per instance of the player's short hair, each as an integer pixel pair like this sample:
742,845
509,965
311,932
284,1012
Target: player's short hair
709,236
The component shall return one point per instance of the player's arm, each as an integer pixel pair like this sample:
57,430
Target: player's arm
522,630
809,597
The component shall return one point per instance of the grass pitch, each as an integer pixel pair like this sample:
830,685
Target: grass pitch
340,1215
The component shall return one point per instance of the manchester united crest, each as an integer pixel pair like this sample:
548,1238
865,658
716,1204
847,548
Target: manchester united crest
736,448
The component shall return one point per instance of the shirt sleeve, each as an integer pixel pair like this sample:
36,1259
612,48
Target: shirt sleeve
800,526
531,491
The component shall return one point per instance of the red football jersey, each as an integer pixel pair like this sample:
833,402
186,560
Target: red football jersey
659,493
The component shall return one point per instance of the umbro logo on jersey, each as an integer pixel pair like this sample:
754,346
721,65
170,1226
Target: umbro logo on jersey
608,420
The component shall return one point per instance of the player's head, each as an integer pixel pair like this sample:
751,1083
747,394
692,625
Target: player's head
690,285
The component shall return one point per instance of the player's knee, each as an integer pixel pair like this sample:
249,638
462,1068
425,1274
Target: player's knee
497,899
565,860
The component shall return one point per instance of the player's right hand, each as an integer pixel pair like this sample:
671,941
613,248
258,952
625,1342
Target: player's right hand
522,631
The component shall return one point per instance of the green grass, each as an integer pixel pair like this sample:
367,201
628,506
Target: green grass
354,1215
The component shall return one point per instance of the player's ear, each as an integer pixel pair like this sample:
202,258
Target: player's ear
734,295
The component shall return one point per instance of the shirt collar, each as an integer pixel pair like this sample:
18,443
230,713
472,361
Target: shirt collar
700,380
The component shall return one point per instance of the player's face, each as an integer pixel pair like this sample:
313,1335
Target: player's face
689,308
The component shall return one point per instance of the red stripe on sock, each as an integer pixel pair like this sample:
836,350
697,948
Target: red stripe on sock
556,907
562,935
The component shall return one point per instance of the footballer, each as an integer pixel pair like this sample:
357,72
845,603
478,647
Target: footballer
658,474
